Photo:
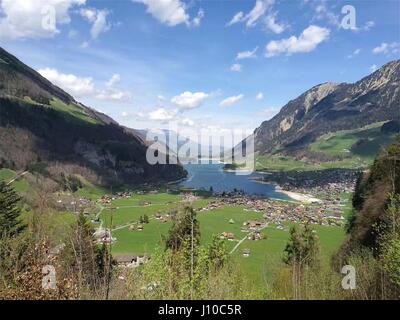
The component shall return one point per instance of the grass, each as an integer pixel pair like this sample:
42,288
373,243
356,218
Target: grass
20,185
264,253
358,148
281,163
72,111
363,143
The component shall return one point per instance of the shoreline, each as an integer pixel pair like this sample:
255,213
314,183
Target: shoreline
301,197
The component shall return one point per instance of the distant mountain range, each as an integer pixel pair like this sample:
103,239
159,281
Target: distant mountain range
44,129
331,107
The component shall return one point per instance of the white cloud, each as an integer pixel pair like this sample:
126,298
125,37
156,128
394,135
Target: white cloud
115,79
29,18
189,100
236,18
236,67
197,20
373,68
160,114
187,122
271,24
261,12
386,48
80,87
260,96
306,42
171,12
231,101
323,13
110,94
247,54
354,53
366,27
76,86
257,12
98,19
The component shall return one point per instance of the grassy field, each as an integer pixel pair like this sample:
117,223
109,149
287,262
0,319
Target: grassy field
357,147
362,144
73,111
20,185
264,253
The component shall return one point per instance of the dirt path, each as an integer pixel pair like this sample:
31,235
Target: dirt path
241,241
18,175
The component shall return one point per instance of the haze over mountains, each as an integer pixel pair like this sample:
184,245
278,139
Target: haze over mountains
330,107
44,129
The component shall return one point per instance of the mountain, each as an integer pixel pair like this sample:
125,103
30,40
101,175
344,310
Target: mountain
44,129
331,107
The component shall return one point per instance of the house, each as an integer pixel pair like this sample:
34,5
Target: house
139,227
255,236
246,252
103,236
131,261
227,236
254,224
231,221
125,260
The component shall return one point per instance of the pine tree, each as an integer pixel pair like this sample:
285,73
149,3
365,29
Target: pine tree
10,222
302,248
185,227
293,247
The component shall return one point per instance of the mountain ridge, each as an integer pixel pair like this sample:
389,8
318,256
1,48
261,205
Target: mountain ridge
331,107
42,124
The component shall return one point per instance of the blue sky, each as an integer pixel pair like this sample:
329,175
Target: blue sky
205,64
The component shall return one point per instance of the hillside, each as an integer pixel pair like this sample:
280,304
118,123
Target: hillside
44,129
329,108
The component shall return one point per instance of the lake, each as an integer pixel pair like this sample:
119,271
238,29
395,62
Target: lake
206,175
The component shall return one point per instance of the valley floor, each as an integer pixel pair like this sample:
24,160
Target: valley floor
256,226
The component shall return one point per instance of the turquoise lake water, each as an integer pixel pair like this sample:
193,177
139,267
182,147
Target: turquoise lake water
206,175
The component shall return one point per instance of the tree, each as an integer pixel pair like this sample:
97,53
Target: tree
88,260
186,226
217,253
10,222
302,248
293,249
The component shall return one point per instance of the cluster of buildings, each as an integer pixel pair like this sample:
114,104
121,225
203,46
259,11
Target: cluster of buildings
277,212
323,183
67,202
107,199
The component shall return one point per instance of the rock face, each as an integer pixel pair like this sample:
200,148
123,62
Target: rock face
43,126
331,107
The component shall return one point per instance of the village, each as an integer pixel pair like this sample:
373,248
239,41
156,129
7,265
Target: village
328,211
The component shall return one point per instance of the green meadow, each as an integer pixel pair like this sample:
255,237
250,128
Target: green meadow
357,148
20,185
265,255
